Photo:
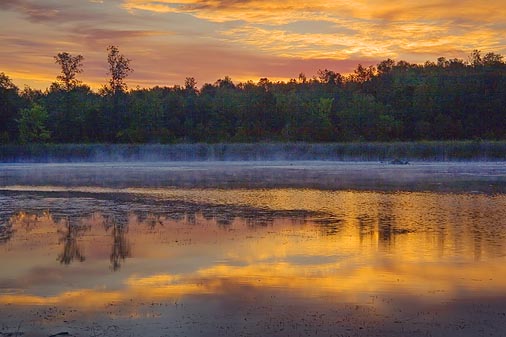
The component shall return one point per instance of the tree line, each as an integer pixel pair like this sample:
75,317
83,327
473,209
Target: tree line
394,100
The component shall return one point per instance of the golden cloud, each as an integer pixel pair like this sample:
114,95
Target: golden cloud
229,10
267,11
374,29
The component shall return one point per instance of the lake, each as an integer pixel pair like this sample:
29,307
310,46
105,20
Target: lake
253,249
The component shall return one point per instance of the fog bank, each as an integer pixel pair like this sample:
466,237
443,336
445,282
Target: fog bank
421,151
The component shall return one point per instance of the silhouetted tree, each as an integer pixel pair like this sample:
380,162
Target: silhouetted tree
70,67
119,69
190,84
448,98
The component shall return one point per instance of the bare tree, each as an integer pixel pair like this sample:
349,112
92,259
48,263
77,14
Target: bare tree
70,67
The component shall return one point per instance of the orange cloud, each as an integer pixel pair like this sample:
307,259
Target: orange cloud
249,10
379,29
291,10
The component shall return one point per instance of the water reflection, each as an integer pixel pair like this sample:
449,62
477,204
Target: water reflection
120,245
470,224
69,237
243,246
5,232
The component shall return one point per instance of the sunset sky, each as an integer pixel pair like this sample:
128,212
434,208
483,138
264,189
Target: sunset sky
245,39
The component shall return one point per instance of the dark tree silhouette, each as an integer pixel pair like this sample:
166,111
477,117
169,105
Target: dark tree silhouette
119,69
70,67
9,107
190,84
116,118
444,99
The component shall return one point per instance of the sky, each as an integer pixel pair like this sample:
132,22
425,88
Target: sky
169,40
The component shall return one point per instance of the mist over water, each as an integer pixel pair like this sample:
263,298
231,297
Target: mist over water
484,177
419,151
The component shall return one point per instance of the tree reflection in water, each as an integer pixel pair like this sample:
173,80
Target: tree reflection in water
116,214
24,220
71,249
6,232
120,245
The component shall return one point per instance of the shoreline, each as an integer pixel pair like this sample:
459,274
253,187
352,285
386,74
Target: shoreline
386,152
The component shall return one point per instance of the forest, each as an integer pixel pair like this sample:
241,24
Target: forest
446,99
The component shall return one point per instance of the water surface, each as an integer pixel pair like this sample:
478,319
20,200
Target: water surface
117,259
